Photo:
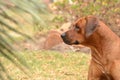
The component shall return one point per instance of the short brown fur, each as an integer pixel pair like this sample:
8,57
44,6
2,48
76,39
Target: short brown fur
105,47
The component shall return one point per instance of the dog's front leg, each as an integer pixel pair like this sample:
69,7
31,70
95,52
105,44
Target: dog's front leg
115,70
94,72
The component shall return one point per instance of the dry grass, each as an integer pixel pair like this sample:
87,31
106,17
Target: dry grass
51,65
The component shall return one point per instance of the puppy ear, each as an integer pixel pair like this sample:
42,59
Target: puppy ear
91,25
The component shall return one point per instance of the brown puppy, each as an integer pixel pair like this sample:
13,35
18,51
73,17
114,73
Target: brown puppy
104,44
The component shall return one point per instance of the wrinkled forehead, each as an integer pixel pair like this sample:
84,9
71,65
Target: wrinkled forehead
80,22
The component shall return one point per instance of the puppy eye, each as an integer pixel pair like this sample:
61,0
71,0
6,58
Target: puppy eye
77,28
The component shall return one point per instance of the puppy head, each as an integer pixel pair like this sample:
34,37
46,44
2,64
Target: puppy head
81,30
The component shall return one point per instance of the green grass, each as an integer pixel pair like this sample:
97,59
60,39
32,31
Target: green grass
51,65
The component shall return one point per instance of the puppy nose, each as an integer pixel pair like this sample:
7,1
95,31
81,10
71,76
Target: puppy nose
63,35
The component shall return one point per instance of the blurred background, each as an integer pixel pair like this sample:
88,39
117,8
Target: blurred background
30,43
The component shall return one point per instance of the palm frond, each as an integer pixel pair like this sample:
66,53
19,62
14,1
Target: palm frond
8,22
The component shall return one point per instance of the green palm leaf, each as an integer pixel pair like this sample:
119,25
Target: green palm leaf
8,7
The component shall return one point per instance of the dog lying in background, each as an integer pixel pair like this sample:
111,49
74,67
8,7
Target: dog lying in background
105,47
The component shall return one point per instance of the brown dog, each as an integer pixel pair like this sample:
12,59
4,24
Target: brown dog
104,44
